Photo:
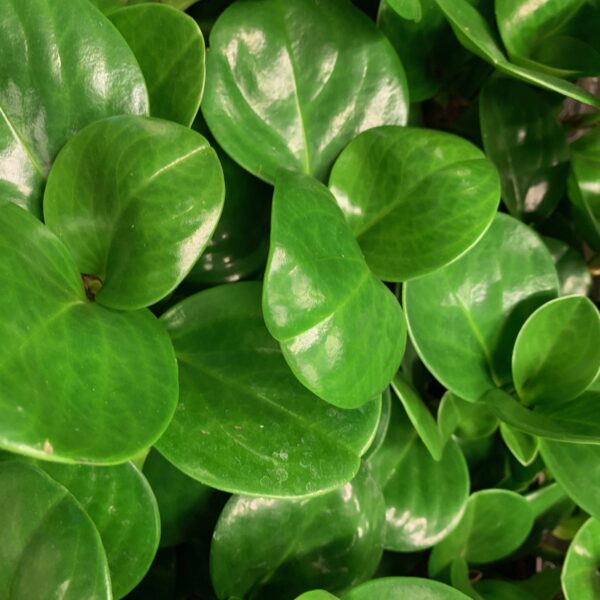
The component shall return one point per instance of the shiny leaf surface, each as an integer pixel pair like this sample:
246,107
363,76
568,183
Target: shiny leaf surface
317,595
135,200
109,6
49,546
401,588
253,429
63,66
400,188
579,578
341,331
169,47
464,318
522,446
115,388
525,141
289,84
333,541
573,273
424,498
467,420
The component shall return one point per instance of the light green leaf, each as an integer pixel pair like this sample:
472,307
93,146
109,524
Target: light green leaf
402,588
573,272
467,420
523,446
579,578
407,9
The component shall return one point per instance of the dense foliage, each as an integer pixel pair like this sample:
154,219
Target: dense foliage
305,312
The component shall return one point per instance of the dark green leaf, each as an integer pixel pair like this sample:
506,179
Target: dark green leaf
579,578
407,9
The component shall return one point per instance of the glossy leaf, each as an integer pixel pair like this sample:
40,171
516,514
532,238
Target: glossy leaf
557,352
170,50
121,504
525,141
523,446
289,84
467,420
407,9
495,523
341,331
464,318
181,500
135,200
114,389
401,588
474,34
109,6
49,546
253,428
573,273
333,541
63,66
579,578
317,595
400,188
424,498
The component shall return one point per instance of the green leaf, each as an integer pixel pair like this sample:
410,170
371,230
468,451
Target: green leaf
341,331
78,382
121,504
289,84
584,191
522,446
244,424
464,317
525,141
576,467
169,47
466,420
182,501
332,541
407,9
573,273
402,588
49,547
494,524
63,66
557,352
424,498
317,595
579,577
474,34
109,6
495,589
135,219
400,188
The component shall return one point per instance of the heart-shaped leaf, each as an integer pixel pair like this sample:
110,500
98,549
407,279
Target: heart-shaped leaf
49,547
136,219
63,66
495,523
244,424
402,588
333,541
424,498
78,382
573,273
464,318
289,84
579,577
525,141
400,188
341,330
169,47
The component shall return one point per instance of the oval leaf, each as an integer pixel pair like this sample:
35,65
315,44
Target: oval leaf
573,273
402,588
136,220
289,84
341,330
400,188
244,424
579,577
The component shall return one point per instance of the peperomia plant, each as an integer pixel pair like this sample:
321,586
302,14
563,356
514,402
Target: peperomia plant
298,299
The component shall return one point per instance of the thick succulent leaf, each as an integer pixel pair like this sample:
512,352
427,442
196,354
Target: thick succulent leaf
401,187
342,332
114,389
424,498
474,33
169,47
289,84
402,588
333,541
135,200
584,191
523,446
464,317
63,66
579,576
573,273
120,502
495,523
557,352
466,420
576,467
525,141
182,501
244,424
49,547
